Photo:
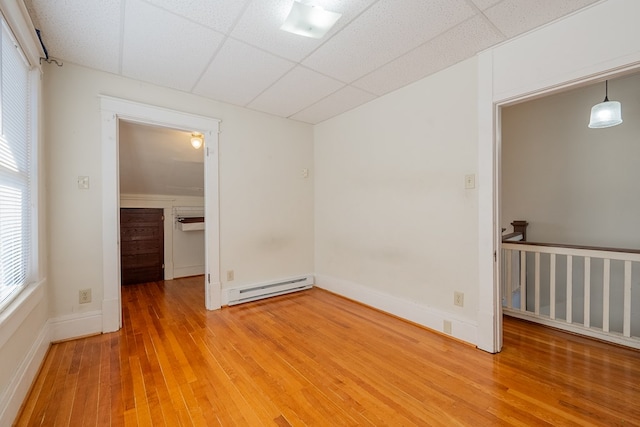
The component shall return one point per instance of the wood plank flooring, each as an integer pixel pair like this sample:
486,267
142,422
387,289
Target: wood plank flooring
313,358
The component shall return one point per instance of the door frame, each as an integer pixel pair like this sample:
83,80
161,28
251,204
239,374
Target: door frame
535,64
112,111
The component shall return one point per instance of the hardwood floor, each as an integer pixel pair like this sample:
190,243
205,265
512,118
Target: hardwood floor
313,358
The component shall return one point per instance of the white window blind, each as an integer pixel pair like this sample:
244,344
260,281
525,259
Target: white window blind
15,168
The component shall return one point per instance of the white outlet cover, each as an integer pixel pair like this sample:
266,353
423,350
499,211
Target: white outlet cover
83,182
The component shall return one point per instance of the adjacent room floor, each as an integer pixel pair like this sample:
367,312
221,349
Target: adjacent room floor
313,358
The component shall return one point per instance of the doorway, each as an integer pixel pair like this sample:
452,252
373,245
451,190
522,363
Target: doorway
113,110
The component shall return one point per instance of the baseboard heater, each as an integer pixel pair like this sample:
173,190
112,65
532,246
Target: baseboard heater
269,289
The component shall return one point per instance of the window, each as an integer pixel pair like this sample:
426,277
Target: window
16,255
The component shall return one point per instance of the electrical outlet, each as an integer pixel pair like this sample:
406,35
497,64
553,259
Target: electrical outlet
230,275
458,299
84,296
446,327
83,182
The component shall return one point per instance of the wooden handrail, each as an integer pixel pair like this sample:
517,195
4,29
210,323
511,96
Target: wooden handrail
506,237
589,248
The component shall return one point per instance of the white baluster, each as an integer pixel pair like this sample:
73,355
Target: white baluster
537,284
523,281
509,293
552,286
569,288
606,279
626,328
587,291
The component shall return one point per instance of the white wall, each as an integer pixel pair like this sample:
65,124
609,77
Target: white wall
393,218
266,208
574,185
188,253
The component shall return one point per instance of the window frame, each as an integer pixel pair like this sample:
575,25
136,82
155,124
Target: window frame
19,25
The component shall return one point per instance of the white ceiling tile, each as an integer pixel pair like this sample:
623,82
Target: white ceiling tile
338,102
84,32
485,4
260,26
384,32
241,72
217,14
174,58
296,90
462,41
179,44
514,17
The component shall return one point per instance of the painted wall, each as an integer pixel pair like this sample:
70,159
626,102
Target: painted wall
573,184
266,207
393,217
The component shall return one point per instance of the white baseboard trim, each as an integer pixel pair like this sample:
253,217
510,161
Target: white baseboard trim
423,315
192,270
75,325
575,328
13,396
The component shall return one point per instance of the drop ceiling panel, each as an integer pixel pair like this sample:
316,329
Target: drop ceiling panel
219,15
460,42
514,17
295,91
241,72
261,22
84,32
485,4
165,49
234,50
384,32
338,102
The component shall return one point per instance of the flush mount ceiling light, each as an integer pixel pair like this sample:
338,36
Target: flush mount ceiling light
309,21
196,140
607,113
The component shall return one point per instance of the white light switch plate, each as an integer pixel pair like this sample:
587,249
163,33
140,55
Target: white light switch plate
470,181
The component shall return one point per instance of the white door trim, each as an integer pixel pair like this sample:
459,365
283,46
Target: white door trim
113,110
540,62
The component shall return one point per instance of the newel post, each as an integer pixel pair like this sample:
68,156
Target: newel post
520,227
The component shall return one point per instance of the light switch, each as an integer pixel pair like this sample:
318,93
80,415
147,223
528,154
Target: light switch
83,182
305,173
470,181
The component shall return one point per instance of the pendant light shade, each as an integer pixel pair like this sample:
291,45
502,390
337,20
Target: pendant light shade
607,113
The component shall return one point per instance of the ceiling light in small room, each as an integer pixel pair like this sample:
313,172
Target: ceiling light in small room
309,21
196,140
607,113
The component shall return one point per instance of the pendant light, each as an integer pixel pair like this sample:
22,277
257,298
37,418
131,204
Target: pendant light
607,113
